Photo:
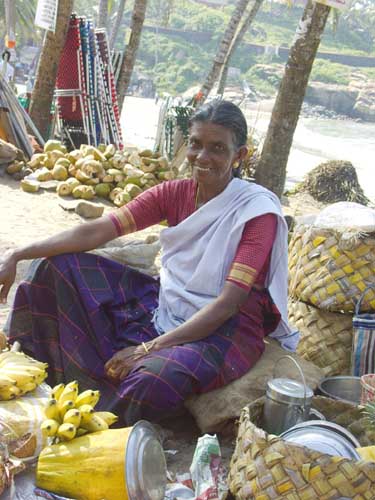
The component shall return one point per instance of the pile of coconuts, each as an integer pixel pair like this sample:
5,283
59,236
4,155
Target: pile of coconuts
90,172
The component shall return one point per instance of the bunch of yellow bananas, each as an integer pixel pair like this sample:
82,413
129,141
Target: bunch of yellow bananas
19,374
70,414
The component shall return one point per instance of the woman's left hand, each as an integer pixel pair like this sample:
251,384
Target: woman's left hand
118,367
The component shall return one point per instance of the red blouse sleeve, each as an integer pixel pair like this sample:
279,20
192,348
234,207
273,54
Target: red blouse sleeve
147,209
171,200
250,264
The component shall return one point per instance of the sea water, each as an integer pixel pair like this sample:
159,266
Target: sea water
315,140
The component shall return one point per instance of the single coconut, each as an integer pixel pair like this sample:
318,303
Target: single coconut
30,186
59,173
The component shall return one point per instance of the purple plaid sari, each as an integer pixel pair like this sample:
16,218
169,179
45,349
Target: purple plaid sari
75,311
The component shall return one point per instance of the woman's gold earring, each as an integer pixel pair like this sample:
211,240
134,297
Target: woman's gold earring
236,165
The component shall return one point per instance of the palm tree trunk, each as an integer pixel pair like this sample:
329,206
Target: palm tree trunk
126,70
102,14
116,27
271,169
223,49
42,95
236,42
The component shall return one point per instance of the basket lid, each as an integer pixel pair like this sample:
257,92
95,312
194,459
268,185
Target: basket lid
145,466
286,390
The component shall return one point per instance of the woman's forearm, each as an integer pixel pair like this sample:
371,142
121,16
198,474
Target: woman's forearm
81,238
207,320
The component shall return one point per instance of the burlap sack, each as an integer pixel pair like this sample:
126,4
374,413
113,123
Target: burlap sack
214,409
139,254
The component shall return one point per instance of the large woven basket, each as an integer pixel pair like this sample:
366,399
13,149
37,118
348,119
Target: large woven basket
330,270
326,337
265,467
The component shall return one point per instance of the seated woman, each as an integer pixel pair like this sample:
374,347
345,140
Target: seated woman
148,344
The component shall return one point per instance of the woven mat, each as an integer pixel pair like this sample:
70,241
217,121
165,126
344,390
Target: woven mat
330,270
326,337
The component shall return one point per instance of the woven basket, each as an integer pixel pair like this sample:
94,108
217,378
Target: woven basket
326,337
265,467
330,270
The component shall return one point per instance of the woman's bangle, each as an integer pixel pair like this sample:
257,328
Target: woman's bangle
149,346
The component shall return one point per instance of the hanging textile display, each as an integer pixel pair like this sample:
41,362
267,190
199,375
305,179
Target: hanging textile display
86,100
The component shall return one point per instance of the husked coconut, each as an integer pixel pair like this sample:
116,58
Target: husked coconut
74,155
82,177
166,175
135,160
84,192
109,151
114,193
59,173
147,153
36,160
72,181
52,144
64,189
14,167
29,186
102,190
43,174
163,162
122,199
133,190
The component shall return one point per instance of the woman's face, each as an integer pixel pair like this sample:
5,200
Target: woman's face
212,153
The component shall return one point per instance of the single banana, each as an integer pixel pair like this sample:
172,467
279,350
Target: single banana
88,397
66,432
6,381
19,358
49,427
107,416
52,410
86,413
31,370
73,416
57,390
68,405
95,424
72,385
30,386
20,377
9,393
68,394
40,378
81,431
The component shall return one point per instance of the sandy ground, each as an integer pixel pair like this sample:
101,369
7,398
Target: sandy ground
29,217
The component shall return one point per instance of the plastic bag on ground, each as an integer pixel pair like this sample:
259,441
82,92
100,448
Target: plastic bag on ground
207,474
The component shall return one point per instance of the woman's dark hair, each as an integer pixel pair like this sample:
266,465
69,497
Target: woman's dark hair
6,54
228,115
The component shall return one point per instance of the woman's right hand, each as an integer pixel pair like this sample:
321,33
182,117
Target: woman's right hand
8,269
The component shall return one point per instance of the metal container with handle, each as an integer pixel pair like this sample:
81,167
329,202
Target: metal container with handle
288,402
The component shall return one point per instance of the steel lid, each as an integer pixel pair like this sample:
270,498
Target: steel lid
321,439
290,391
145,466
330,425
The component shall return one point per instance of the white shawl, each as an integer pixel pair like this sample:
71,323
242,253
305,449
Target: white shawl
199,251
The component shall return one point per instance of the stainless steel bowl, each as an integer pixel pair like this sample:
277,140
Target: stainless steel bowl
346,388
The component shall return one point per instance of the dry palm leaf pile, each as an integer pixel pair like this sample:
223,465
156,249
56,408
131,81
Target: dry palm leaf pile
333,181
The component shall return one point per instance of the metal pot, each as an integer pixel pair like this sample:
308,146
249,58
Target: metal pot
287,403
344,388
